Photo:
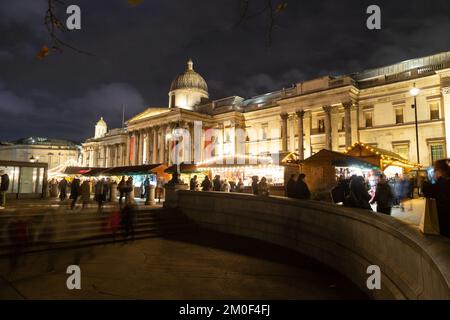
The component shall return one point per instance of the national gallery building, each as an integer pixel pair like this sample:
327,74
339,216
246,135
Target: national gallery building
374,107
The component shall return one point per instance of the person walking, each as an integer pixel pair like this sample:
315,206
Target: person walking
384,196
121,187
4,187
290,186
101,191
85,193
206,184
74,192
263,187
440,190
255,181
301,188
62,189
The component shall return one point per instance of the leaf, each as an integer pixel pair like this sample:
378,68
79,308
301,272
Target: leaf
281,7
43,53
134,2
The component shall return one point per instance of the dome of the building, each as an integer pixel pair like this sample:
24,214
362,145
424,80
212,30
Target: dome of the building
189,79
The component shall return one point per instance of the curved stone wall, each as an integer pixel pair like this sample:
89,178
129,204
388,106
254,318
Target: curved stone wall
413,266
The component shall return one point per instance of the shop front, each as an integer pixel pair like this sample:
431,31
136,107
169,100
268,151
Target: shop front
27,179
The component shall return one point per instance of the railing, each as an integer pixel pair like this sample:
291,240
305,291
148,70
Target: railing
413,266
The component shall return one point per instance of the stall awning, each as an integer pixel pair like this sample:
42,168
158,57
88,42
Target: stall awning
337,159
184,168
85,171
380,157
134,170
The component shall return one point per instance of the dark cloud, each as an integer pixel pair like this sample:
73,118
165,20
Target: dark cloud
139,50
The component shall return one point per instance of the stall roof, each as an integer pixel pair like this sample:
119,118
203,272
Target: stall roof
337,159
184,168
134,170
86,171
383,158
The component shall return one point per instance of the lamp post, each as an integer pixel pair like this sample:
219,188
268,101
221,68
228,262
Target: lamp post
415,92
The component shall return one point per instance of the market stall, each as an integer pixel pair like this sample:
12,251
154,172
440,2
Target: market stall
389,162
325,168
187,172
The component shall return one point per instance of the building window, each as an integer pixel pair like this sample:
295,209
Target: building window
402,150
399,116
434,110
368,119
264,130
321,125
437,152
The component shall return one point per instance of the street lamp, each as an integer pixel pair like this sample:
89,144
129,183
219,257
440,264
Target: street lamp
415,92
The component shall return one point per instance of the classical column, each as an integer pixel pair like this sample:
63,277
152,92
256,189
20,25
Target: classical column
284,132
155,145
328,144
348,122
192,141
149,146
301,142
446,108
105,156
307,130
126,161
141,146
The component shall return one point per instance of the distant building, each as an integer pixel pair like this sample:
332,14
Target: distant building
333,113
55,152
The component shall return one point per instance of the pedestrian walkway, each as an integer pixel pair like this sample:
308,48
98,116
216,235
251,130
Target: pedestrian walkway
412,213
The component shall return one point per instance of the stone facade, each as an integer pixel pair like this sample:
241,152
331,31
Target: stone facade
373,107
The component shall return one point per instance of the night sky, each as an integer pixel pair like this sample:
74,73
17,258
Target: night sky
138,50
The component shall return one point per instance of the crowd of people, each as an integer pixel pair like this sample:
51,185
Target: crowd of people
259,187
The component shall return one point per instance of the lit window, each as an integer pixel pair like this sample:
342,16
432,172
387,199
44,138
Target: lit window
368,119
264,129
434,110
399,116
437,152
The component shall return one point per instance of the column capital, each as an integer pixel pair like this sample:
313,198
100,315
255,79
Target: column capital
446,90
284,116
347,105
327,108
300,113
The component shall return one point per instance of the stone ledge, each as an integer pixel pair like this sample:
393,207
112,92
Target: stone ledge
414,266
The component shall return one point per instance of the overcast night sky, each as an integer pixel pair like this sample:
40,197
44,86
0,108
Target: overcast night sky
139,50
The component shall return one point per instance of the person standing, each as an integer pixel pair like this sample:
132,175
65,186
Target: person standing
255,181
226,187
217,185
206,184
440,190
121,187
290,186
263,187
74,192
358,196
62,189
101,191
301,188
4,187
384,197
193,184
240,188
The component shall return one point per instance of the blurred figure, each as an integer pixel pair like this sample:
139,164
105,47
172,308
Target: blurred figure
206,184
290,186
193,184
74,192
62,189
255,181
440,190
18,236
301,188
128,219
85,193
53,188
358,196
263,187
4,187
384,196
121,187
101,191
240,186
129,190
226,187
217,185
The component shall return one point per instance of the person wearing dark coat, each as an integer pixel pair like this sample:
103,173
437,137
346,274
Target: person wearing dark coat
75,192
384,197
290,186
358,197
193,184
206,184
101,192
441,192
62,189
217,185
301,188
4,187
255,182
